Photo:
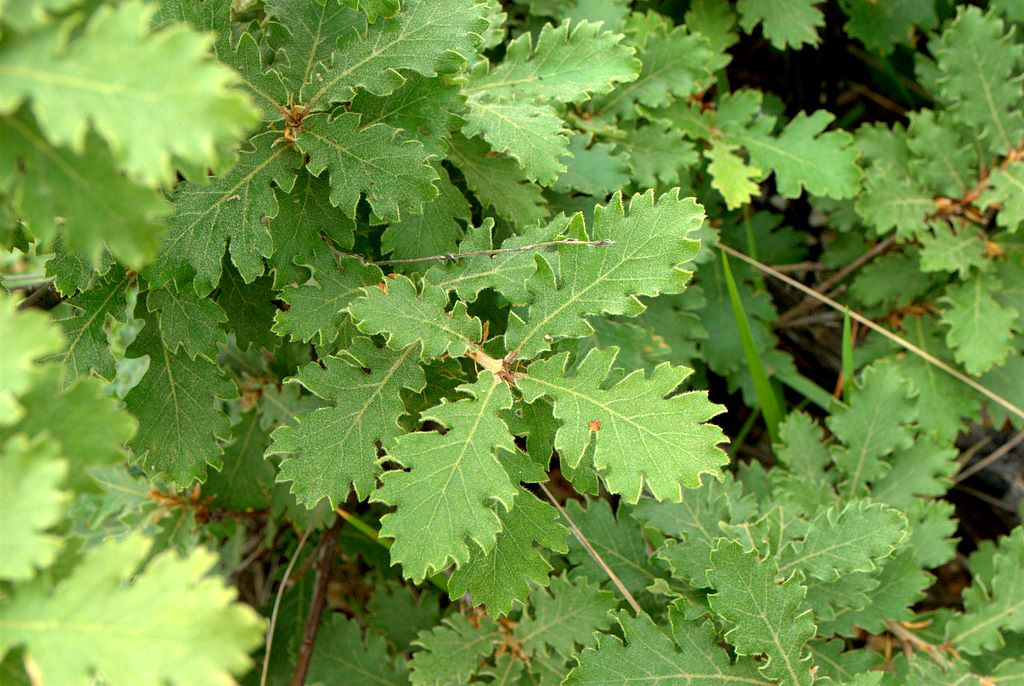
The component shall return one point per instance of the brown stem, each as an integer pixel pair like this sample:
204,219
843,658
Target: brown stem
809,303
45,297
877,98
827,318
997,454
799,267
877,63
912,641
947,208
324,559
985,498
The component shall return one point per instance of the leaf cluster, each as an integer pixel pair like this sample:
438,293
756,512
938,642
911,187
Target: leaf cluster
392,324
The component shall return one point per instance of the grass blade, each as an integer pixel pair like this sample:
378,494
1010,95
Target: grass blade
810,390
766,397
861,319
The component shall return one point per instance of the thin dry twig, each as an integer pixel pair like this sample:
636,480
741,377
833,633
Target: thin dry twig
799,267
871,254
590,550
912,641
808,303
967,455
902,342
986,498
277,606
997,454
826,318
878,98
453,257
256,553
44,297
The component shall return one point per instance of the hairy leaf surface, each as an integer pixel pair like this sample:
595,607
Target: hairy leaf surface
452,482
637,436
171,622
690,656
177,405
765,615
31,502
83,197
429,37
452,650
502,575
335,448
650,246
236,207
406,316
316,308
567,64
27,335
74,83
393,175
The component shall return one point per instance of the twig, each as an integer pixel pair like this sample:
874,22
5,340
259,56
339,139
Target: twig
967,455
963,207
200,506
904,343
277,607
875,62
986,498
799,267
996,454
910,640
45,297
452,257
823,287
258,550
593,553
826,318
875,251
878,98
947,208
324,559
